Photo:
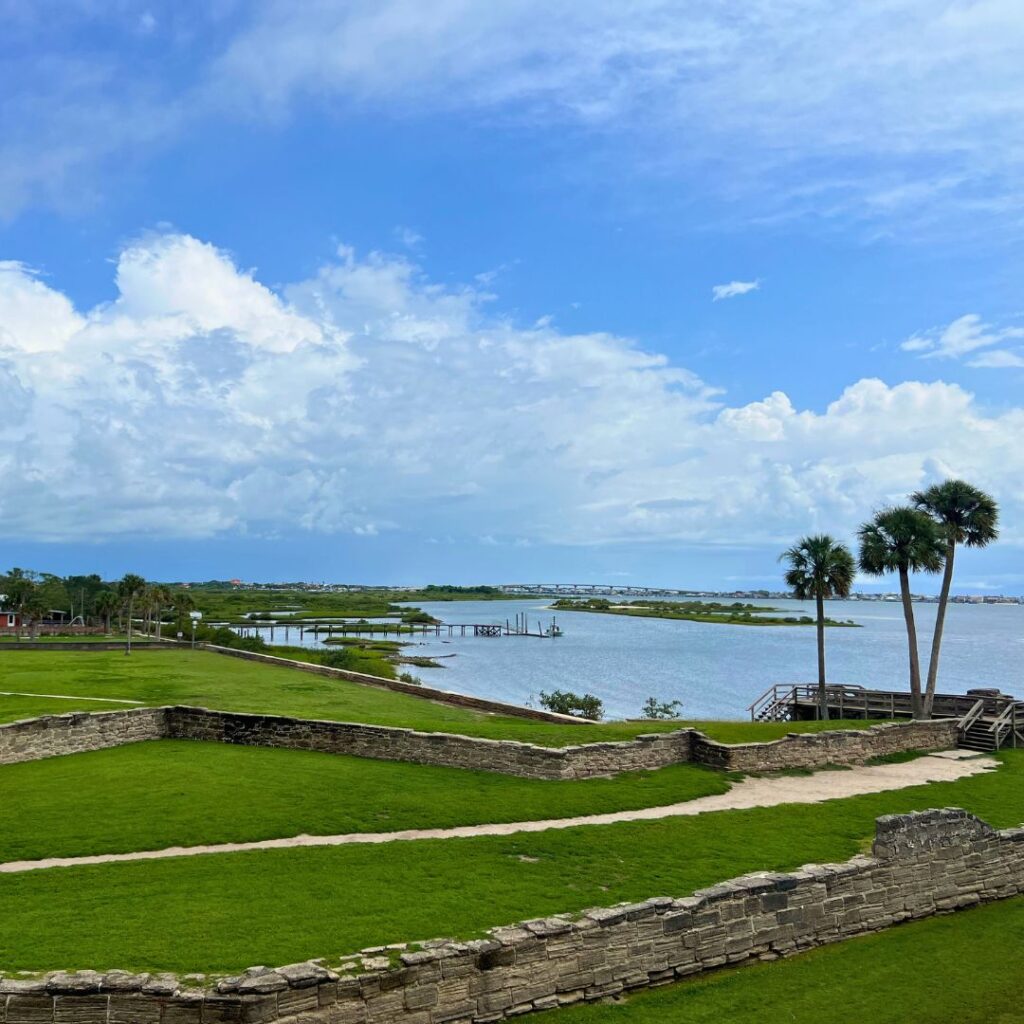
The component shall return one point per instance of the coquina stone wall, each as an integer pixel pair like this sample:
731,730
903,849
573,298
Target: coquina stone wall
73,733
922,864
526,760
814,750
79,731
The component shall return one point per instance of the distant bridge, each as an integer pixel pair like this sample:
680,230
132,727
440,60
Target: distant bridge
593,589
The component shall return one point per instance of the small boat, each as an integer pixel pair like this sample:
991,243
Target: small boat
553,630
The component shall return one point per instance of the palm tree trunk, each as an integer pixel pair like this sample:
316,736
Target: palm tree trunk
128,646
915,665
822,697
940,621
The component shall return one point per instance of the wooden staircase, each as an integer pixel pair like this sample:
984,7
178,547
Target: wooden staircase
989,720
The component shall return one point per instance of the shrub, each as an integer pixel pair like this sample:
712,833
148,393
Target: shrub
565,702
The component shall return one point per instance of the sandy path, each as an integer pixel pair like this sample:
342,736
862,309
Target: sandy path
751,792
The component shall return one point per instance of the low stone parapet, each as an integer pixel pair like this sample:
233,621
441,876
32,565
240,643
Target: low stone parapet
509,757
818,749
79,731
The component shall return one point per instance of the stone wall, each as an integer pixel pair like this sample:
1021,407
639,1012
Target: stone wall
526,760
54,735
459,700
815,750
922,864
68,734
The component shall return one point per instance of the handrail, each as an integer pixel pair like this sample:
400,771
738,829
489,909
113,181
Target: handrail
769,696
972,716
1003,721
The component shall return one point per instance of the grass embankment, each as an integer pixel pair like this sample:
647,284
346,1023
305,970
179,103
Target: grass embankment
225,912
888,978
103,801
735,614
204,679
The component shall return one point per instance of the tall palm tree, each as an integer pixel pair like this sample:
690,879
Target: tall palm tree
966,515
819,568
130,588
903,540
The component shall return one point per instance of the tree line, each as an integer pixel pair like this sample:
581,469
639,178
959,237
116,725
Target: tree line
131,600
921,536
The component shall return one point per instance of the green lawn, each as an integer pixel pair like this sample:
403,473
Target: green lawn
225,912
104,801
174,676
888,978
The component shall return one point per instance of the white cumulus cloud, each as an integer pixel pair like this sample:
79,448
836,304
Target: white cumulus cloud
368,399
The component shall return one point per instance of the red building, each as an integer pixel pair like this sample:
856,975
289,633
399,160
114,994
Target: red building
9,620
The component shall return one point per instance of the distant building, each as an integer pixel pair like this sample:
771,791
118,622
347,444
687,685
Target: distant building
9,620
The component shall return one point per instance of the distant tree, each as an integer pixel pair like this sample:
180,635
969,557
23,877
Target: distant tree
903,540
565,702
819,568
20,589
162,597
965,515
653,708
130,588
33,609
105,603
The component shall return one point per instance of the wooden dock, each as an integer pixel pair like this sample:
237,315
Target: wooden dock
519,626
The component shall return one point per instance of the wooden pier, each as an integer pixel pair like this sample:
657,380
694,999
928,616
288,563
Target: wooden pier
519,626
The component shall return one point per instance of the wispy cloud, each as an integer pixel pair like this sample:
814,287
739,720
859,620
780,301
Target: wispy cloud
892,112
408,237
733,288
965,336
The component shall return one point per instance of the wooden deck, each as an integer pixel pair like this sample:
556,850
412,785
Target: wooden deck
988,719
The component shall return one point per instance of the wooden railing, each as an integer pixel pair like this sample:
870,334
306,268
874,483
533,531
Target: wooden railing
1001,715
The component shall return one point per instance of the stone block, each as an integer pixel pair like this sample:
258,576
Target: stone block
29,1009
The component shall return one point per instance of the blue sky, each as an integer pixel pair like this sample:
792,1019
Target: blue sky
407,292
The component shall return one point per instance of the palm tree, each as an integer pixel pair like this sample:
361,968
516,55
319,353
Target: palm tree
130,588
106,603
819,568
903,540
162,597
966,515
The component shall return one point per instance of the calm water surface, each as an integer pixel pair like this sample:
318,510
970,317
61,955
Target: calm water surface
715,670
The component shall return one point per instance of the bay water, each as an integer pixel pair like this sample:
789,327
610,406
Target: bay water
715,670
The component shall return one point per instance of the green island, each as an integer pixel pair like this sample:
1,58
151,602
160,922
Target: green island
735,614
